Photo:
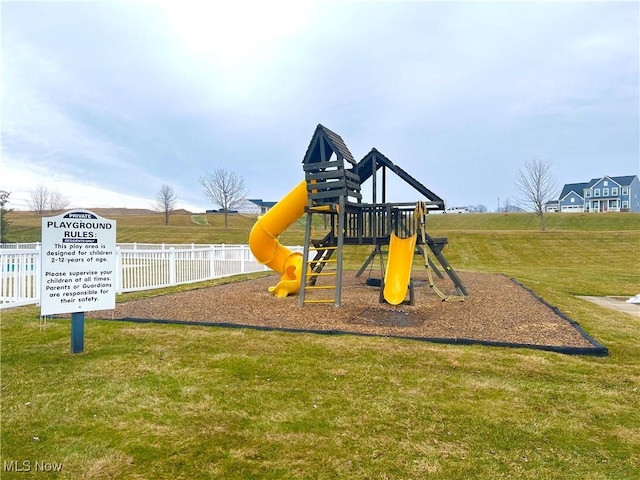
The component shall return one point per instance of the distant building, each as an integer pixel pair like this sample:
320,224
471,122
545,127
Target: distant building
245,206
457,210
605,194
551,206
254,206
572,198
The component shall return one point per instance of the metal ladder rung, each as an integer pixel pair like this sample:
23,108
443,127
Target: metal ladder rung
322,274
328,260
322,248
321,287
319,301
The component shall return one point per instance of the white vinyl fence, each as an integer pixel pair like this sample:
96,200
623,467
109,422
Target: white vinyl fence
19,246
20,281
139,267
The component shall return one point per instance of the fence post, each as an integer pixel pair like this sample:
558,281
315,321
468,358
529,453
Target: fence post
37,267
212,261
119,269
172,265
243,249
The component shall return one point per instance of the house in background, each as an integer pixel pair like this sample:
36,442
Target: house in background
613,194
551,206
256,206
248,207
572,198
605,194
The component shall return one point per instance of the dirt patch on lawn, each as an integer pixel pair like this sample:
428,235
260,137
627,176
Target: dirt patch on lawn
497,311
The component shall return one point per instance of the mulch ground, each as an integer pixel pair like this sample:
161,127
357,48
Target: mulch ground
497,310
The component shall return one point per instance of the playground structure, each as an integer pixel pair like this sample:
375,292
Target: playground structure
332,190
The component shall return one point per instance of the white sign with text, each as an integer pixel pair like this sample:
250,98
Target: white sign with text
78,263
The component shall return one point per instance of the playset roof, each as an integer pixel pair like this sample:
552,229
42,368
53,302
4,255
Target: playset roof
323,137
374,157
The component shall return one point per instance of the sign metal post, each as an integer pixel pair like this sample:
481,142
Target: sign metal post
77,332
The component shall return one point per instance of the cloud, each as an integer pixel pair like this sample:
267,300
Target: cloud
128,96
22,179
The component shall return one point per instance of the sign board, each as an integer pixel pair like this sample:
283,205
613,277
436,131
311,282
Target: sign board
78,263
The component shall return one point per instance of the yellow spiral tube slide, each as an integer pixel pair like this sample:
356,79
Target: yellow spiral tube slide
264,244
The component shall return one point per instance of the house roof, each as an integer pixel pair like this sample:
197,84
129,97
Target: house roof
623,181
323,137
365,171
259,202
577,188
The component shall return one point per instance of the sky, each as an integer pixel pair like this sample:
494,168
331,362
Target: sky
105,102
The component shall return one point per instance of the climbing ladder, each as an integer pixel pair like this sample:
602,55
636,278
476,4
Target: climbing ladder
326,263
331,174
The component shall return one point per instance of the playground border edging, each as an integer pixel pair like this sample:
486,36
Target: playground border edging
603,351
597,351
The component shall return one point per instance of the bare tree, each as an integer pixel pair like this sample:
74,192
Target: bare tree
4,223
39,199
223,188
536,186
57,201
477,208
165,202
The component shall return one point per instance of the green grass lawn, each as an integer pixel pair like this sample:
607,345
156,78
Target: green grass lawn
165,401
187,228
610,221
182,228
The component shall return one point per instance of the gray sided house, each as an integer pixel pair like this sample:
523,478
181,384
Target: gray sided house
605,194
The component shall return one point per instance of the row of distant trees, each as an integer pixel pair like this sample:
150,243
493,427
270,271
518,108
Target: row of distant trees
226,189
222,187
42,200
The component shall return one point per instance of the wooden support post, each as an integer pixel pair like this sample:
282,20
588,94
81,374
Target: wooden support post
412,296
305,259
434,267
369,259
437,252
341,226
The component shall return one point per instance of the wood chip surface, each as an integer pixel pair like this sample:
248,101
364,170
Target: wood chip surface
496,310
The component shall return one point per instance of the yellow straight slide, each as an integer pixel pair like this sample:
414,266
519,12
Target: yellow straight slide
267,249
398,273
